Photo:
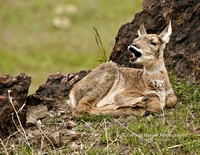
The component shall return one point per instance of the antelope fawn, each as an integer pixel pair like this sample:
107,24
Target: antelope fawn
114,90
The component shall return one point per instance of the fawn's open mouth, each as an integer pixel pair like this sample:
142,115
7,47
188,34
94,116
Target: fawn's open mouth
135,52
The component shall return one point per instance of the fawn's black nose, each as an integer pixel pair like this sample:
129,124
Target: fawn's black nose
132,47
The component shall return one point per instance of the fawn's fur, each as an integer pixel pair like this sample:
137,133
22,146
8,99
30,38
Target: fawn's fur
114,90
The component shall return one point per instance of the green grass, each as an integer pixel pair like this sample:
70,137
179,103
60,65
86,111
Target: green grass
30,43
102,52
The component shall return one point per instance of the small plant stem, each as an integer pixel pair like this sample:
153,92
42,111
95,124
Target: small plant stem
4,146
140,151
179,145
7,139
172,130
92,144
106,132
42,142
158,147
190,113
19,130
88,125
94,131
24,133
42,133
102,51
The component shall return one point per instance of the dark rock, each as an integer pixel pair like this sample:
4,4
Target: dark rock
18,86
182,54
55,90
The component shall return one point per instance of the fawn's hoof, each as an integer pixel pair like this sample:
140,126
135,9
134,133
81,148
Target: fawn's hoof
145,99
146,113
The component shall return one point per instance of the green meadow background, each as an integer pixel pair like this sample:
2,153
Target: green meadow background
42,37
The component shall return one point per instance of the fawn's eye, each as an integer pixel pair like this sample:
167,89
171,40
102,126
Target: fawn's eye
154,43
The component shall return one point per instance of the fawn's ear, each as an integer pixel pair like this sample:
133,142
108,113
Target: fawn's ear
165,34
142,30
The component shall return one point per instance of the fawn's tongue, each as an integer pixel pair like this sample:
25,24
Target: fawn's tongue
132,59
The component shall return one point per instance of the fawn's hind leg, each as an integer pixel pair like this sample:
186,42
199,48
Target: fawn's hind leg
94,87
84,105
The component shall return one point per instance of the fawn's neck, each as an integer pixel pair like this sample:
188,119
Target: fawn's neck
154,69
154,75
155,79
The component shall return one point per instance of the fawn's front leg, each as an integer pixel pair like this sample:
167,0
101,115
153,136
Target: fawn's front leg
84,105
149,101
114,110
111,109
171,101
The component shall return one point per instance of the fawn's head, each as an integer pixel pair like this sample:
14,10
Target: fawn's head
148,48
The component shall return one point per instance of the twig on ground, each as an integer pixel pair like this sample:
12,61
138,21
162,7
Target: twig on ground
4,147
88,125
7,139
190,113
42,137
92,144
179,145
24,133
116,139
42,141
94,131
163,116
140,151
18,129
22,107
39,127
172,130
106,132
158,147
